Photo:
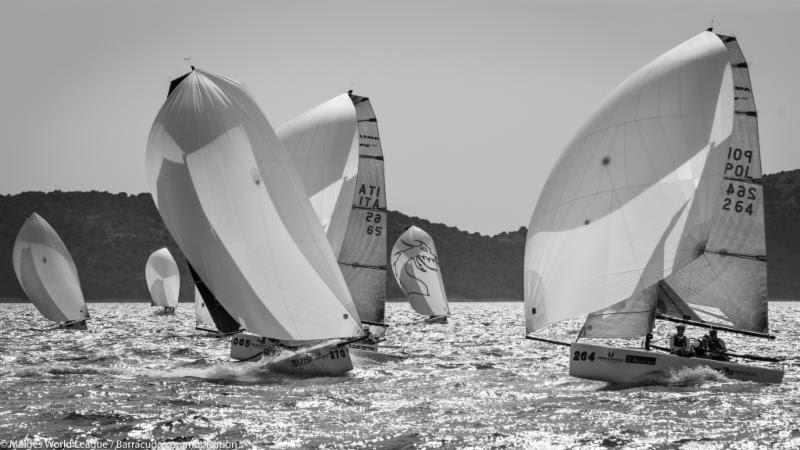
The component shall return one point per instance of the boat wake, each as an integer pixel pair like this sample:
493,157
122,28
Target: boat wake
692,376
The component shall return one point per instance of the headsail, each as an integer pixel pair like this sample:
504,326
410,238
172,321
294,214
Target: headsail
223,321
336,149
415,265
230,197
634,197
46,271
163,278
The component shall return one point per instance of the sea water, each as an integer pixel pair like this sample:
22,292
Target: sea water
136,379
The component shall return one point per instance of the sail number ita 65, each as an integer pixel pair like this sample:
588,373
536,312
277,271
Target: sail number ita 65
374,223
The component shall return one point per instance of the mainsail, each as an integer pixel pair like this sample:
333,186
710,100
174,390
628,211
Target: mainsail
163,278
231,198
662,183
415,265
46,271
337,151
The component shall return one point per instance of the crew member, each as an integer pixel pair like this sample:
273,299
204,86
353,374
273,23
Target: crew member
716,346
679,342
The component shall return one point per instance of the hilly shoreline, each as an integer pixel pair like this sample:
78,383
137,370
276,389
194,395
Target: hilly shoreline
110,237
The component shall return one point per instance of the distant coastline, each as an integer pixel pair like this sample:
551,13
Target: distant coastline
110,236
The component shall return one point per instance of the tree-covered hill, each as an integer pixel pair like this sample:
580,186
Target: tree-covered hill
111,235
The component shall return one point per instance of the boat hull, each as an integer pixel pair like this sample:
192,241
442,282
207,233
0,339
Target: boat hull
322,359
374,352
637,366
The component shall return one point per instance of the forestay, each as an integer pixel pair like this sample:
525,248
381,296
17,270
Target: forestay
46,271
636,194
323,144
163,278
232,200
415,265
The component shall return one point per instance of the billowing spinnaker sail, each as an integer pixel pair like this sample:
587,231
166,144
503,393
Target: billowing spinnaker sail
323,144
634,196
202,317
363,256
163,278
232,200
46,271
416,269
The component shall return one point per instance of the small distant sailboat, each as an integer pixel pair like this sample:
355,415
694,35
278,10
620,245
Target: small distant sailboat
163,281
46,271
415,265
655,211
336,149
232,200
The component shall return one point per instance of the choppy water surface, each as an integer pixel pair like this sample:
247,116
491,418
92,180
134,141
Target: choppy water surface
471,383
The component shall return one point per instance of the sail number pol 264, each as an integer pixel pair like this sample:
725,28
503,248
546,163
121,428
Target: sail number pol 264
582,356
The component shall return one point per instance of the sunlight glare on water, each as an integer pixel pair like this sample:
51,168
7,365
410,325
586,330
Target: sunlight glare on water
474,382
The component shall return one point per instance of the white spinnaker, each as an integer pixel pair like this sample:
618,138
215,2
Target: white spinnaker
323,144
163,278
632,198
46,271
232,200
415,265
202,318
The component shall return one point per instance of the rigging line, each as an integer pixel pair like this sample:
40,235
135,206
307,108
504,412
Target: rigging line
548,341
365,208
713,326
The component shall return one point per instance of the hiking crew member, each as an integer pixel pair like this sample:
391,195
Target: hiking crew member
716,346
679,342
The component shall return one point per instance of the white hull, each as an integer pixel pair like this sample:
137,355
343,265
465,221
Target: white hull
324,359
374,352
637,366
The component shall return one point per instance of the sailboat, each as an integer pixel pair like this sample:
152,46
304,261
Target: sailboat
416,269
46,271
163,281
230,197
655,211
336,149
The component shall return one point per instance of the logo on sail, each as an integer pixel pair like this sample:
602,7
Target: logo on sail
421,258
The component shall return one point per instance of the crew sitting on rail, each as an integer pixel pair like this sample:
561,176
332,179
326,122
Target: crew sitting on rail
679,342
715,346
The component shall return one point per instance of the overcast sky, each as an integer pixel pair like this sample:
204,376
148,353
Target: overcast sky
475,99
